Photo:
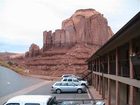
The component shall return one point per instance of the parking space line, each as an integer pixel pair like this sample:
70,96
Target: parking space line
23,91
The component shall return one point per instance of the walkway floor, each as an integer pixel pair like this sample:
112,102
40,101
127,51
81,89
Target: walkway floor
95,94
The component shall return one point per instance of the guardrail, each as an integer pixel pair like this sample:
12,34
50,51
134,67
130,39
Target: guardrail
80,101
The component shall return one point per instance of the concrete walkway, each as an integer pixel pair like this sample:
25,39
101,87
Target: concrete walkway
95,94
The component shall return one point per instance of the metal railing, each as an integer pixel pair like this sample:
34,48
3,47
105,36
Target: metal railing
80,101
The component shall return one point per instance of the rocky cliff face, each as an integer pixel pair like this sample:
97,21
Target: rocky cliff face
67,49
85,26
34,51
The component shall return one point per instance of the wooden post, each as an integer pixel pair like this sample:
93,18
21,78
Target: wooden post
99,63
117,82
132,90
109,86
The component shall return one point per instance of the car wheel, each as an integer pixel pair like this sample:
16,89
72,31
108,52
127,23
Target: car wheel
58,91
79,91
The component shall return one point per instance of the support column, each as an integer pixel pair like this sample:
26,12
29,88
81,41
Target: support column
99,85
97,82
117,93
103,79
132,90
94,80
130,62
96,75
93,75
103,87
109,86
99,76
117,82
92,66
132,95
109,92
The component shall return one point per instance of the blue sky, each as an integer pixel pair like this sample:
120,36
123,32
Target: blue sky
22,22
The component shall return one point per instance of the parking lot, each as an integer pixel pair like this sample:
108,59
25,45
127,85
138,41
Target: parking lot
46,90
33,86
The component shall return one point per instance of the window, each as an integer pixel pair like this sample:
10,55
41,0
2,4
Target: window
57,84
64,79
75,80
72,84
65,84
32,104
13,104
69,80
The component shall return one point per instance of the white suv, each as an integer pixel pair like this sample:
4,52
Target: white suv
32,100
75,80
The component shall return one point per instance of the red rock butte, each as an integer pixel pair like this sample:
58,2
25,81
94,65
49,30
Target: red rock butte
67,49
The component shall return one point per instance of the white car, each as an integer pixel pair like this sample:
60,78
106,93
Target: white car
75,80
100,103
32,100
67,75
59,87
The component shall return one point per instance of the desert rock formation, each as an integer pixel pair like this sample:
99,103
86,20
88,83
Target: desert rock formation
85,26
67,49
34,51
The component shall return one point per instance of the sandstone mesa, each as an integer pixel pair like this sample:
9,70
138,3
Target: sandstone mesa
67,49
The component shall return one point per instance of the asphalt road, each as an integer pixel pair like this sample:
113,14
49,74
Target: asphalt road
11,81
12,84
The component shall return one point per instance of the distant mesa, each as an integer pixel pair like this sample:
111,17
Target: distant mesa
84,26
67,49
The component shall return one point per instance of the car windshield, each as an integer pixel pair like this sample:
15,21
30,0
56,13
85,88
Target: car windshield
67,75
32,104
69,80
75,80
64,79
80,79
13,104
57,84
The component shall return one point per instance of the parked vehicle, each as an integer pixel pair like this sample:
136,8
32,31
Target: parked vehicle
100,103
71,75
32,100
67,75
75,80
47,100
59,87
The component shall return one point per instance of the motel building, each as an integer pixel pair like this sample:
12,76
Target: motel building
115,67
